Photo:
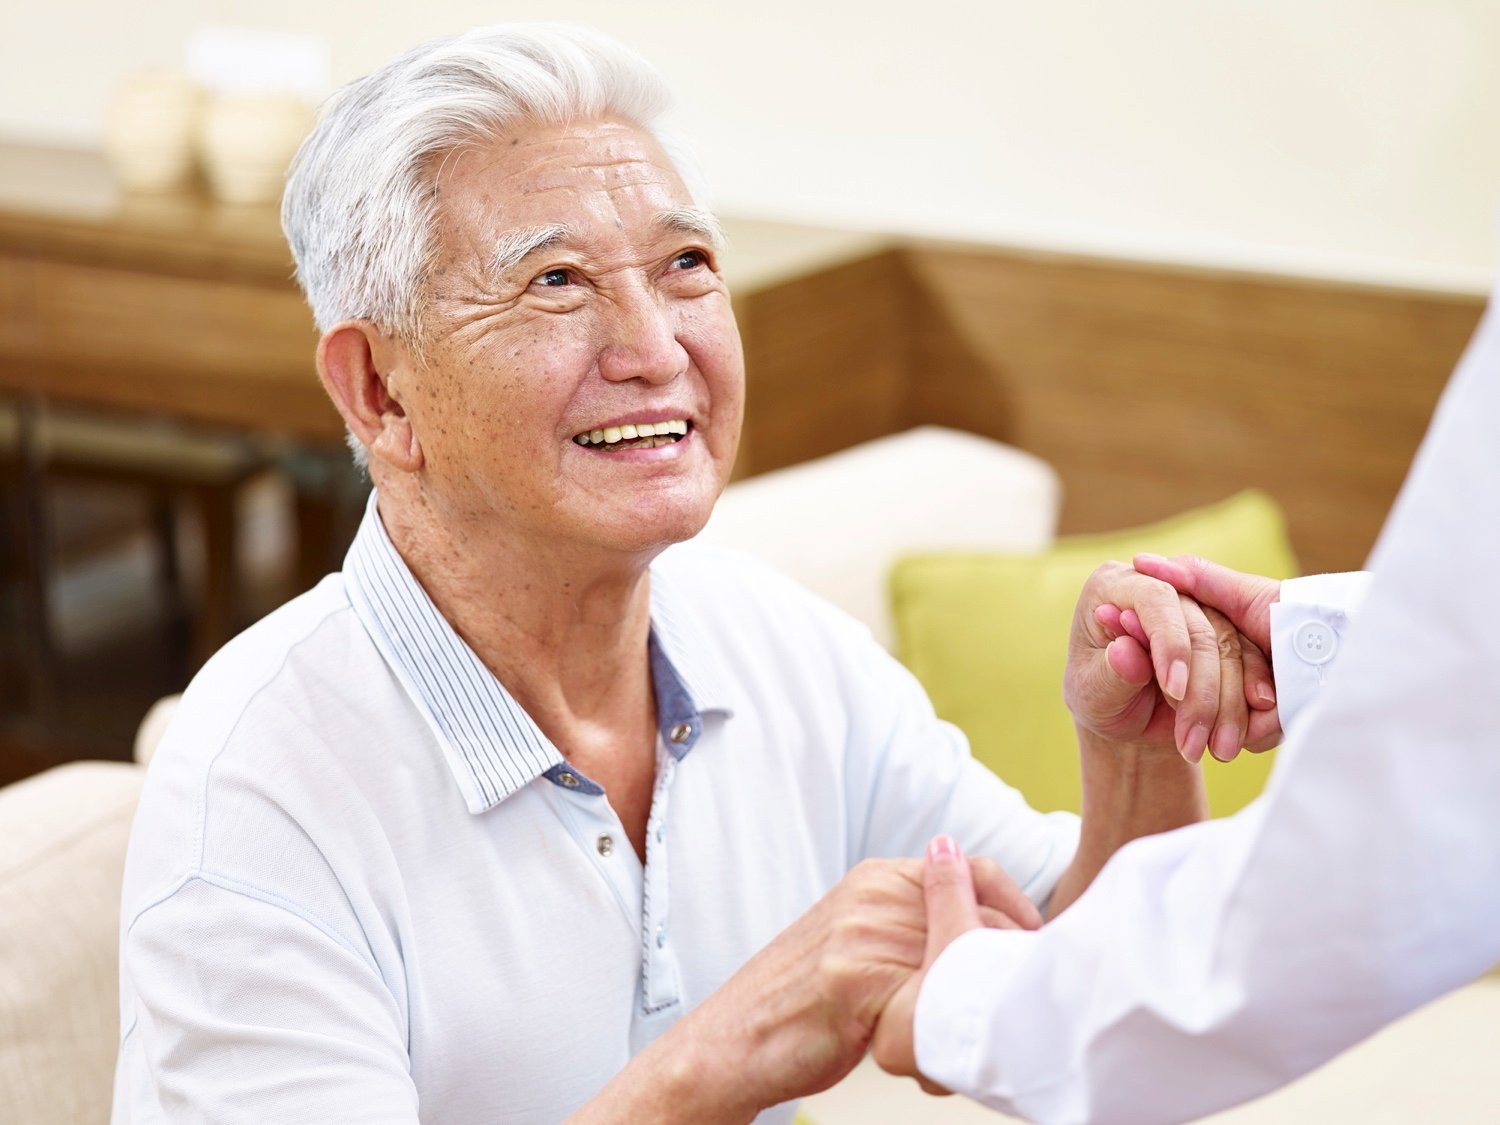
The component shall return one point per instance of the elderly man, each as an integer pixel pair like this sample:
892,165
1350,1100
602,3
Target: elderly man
523,815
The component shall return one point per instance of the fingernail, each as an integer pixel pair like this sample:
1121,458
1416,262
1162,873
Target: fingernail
1264,693
943,847
1149,556
1177,679
1226,742
1195,742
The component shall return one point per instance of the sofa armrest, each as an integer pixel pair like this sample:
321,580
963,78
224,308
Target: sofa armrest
62,855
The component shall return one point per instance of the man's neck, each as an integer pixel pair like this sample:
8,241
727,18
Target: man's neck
564,630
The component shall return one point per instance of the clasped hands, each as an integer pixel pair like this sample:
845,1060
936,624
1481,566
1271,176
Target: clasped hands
1168,657
1169,652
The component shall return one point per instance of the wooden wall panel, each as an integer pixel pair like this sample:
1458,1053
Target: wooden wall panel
827,358
1152,389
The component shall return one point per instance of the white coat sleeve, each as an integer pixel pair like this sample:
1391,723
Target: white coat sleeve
1207,966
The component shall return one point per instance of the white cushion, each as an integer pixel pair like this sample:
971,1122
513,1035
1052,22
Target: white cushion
837,523
153,726
62,855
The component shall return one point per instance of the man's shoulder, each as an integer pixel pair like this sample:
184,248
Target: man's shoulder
262,700
278,657
749,612
261,745
721,575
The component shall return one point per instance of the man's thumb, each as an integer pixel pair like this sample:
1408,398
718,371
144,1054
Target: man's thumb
948,889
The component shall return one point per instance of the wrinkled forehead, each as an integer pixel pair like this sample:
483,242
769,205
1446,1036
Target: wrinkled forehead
532,175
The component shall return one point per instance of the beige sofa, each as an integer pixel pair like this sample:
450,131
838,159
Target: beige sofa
836,524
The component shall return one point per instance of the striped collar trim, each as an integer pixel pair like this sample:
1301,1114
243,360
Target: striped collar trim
490,743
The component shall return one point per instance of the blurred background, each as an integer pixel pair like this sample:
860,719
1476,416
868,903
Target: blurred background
1345,137
1173,248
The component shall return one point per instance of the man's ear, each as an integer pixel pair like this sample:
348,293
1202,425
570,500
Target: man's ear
359,364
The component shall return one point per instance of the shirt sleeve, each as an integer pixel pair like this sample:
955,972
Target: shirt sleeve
241,1008
1209,965
911,776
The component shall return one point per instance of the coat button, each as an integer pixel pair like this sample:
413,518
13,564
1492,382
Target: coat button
1315,642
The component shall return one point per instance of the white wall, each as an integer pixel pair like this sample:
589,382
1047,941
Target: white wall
1355,138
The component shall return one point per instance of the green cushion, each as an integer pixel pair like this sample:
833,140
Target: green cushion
987,635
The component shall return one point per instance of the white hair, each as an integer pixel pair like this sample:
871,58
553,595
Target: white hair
360,206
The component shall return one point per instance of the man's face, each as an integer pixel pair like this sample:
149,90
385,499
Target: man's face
575,292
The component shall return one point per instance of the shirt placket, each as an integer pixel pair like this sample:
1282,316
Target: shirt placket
591,821
660,988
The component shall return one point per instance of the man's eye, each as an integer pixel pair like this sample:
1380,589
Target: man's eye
690,260
553,279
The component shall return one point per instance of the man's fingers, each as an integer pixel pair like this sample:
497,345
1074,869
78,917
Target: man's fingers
1245,599
1197,713
948,890
1234,713
1260,682
1264,728
993,887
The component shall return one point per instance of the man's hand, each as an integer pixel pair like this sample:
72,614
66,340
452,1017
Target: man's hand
1150,666
952,910
800,1014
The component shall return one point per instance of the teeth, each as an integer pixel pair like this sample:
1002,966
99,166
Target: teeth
651,435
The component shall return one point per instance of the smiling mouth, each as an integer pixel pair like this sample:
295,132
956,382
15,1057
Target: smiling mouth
641,435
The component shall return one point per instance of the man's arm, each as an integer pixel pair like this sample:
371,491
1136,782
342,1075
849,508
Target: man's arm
1148,701
1208,966
800,1014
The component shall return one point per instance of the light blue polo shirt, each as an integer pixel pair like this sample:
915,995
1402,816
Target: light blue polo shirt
364,886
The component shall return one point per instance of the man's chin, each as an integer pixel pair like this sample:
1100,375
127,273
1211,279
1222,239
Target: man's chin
648,530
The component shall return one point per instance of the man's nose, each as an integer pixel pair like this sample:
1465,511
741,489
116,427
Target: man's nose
643,342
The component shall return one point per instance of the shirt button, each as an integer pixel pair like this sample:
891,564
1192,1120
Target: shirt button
661,936
1315,642
681,733
660,833
569,780
606,845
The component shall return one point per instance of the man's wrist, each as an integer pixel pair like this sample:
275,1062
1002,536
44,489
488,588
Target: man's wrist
1137,784
702,1081
1130,789
683,1078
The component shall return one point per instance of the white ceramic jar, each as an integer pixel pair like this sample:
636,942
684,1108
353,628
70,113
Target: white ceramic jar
150,132
246,142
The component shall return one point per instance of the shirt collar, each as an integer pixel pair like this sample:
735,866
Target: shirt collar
490,743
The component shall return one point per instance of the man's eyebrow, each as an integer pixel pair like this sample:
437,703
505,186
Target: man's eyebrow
513,247
693,221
